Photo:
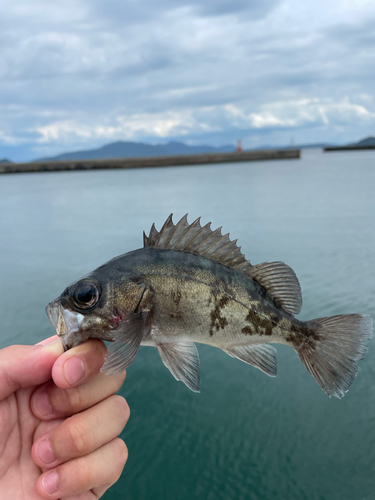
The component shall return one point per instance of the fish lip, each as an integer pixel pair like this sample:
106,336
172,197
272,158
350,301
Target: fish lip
53,313
66,323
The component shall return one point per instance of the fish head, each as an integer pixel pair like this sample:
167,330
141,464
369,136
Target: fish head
95,306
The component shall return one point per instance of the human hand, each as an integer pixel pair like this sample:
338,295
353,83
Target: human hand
58,438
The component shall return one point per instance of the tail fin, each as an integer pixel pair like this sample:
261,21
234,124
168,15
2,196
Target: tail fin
332,357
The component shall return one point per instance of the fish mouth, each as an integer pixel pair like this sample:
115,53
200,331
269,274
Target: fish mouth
66,323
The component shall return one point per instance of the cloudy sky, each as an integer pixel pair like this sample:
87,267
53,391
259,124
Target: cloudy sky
78,74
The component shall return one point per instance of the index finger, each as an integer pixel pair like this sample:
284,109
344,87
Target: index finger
24,366
79,364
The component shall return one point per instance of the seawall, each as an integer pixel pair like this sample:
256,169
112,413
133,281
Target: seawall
347,148
154,161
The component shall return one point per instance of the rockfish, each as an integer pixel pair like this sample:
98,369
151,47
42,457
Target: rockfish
192,284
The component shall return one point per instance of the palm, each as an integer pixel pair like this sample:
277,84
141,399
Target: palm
20,427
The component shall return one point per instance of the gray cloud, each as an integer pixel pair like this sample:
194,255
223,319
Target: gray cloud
80,74
145,10
354,36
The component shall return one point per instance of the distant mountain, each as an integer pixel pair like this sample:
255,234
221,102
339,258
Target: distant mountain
123,149
320,145
369,141
4,160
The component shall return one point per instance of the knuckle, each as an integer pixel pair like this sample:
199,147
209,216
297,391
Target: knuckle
79,437
83,471
121,454
122,407
119,380
124,452
66,401
73,398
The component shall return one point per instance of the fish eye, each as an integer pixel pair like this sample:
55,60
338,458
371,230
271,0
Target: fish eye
85,294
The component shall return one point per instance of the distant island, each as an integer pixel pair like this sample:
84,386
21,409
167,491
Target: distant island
124,149
120,161
128,149
368,143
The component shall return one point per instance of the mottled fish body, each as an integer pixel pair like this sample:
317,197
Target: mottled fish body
190,285
199,300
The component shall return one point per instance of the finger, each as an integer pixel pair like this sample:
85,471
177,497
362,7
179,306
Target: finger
99,469
88,495
79,364
48,341
49,402
47,426
25,366
81,434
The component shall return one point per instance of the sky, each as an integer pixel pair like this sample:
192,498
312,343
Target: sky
78,74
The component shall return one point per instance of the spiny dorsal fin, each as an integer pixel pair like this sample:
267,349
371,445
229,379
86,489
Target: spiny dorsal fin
193,238
276,277
280,282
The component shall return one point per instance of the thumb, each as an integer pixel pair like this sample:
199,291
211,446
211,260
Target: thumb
25,366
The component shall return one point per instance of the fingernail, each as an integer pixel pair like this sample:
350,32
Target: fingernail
50,481
42,403
74,370
44,451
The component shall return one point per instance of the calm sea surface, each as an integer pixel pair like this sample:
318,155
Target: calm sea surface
246,436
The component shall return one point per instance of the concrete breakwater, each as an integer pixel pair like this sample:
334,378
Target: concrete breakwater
155,161
347,148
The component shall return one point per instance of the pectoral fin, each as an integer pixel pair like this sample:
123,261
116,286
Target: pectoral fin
126,341
182,360
261,356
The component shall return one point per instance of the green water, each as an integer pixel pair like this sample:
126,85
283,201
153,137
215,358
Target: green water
246,436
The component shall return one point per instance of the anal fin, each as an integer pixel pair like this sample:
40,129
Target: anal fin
262,356
182,360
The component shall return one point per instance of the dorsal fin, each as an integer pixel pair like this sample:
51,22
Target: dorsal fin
193,238
276,277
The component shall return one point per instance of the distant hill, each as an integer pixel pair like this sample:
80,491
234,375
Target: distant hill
369,141
320,145
4,160
124,149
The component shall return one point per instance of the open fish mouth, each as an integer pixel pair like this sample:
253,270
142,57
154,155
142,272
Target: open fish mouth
66,323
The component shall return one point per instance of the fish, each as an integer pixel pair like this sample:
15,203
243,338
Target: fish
190,284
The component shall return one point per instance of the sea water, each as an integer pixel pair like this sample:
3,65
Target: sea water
246,435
